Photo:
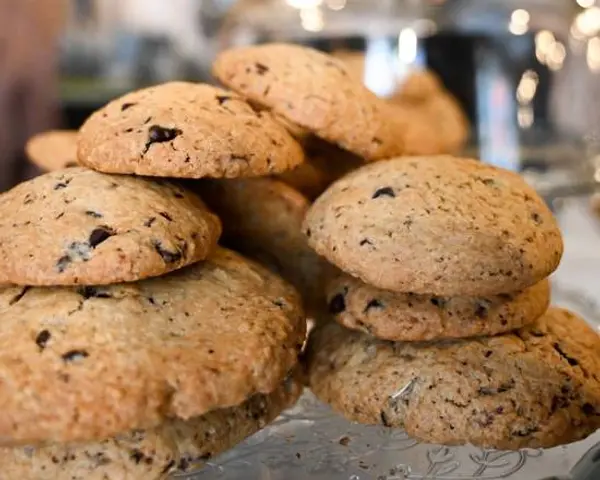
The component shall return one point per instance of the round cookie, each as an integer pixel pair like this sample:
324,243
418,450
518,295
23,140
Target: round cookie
80,227
177,446
53,150
409,317
262,218
315,91
185,130
436,225
88,363
536,388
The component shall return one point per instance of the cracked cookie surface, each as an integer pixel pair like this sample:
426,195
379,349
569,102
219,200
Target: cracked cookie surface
410,317
185,130
315,91
88,363
439,225
53,150
176,446
535,388
77,226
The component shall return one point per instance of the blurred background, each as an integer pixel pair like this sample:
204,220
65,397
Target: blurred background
525,72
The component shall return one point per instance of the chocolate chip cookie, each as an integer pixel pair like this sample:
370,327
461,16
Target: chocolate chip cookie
53,150
315,91
262,218
186,130
80,227
177,446
84,364
410,317
536,387
442,225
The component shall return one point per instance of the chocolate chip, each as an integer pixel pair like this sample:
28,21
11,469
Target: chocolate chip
92,292
488,353
384,192
525,432
125,106
373,304
19,295
166,215
137,456
148,223
222,99
365,241
91,213
308,232
261,69
589,409
337,304
74,355
158,134
99,235
60,185
42,339
572,361
536,218
63,263
438,302
167,256
482,308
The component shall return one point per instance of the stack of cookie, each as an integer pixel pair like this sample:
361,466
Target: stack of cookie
443,326
132,345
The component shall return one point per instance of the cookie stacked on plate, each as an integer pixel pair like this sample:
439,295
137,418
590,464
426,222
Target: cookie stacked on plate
443,325
132,345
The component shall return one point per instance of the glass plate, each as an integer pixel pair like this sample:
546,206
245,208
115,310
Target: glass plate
309,441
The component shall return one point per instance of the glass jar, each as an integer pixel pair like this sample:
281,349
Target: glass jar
525,72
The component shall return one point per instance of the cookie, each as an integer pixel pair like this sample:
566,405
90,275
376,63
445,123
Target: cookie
177,446
185,130
409,317
315,91
53,150
324,164
80,227
262,218
537,387
418,86
88,363
436,225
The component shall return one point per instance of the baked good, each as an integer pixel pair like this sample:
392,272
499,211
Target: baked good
441,225
88,363
77,226
324,164
536,388
315,91
262,218
410,317
53,150
177,446
187,130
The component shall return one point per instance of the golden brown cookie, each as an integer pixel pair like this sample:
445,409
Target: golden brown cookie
53,150
186,130
80,227
324,164
177,446
536,388
315,91
436,225
262,218
84,364
410,317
